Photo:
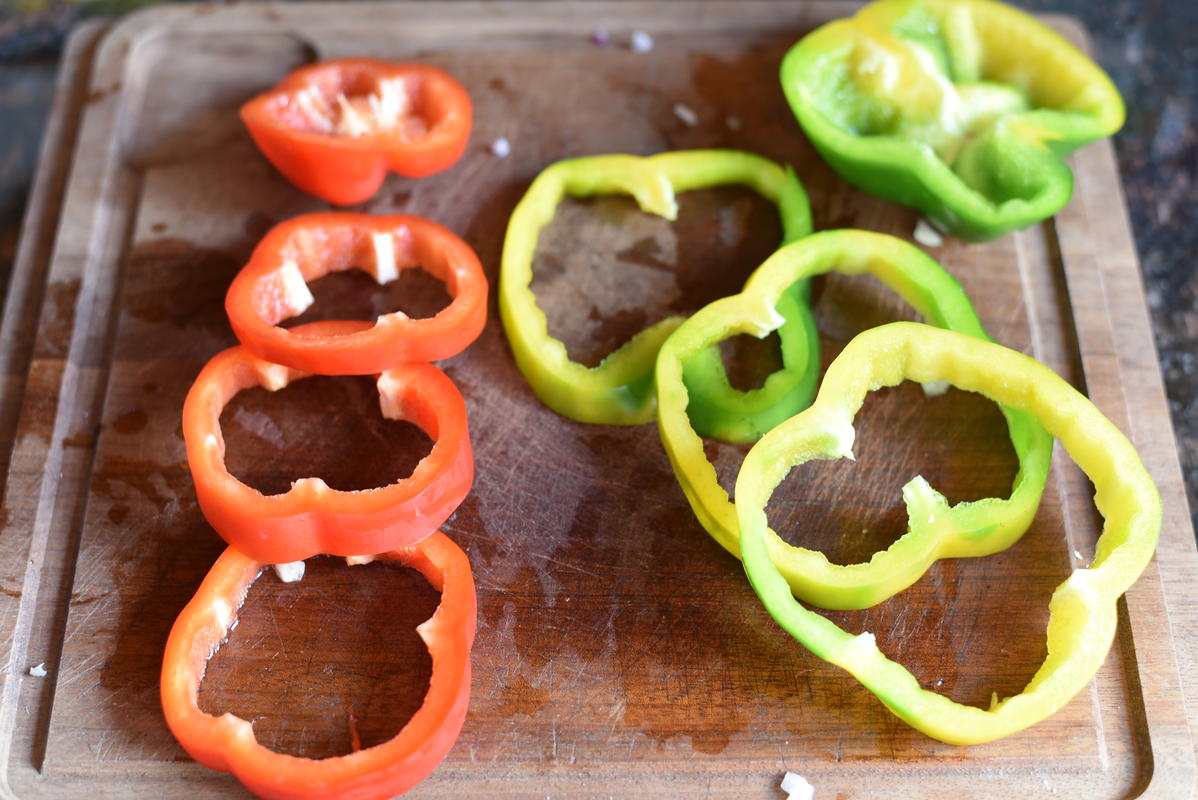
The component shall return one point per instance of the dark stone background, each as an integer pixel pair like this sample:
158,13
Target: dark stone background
1150,48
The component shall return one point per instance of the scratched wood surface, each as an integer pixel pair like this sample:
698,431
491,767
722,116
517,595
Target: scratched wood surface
620,652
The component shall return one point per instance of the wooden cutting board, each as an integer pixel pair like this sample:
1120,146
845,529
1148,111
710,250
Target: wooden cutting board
620,652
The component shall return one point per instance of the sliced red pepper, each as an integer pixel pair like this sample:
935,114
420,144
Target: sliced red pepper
272,287
334,129
311,518
227,742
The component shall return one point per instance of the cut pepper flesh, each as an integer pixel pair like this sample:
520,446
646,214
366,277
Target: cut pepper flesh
227,742
386,106
312,518
1082,611
936,529
960,108
336,128
619,391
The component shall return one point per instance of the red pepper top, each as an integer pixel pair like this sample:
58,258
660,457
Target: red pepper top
336,128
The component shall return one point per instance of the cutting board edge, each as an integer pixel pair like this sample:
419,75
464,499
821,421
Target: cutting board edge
147,20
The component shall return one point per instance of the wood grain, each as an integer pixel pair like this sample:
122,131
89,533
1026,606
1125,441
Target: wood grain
620,652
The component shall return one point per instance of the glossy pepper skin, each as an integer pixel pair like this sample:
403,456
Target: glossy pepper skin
1082,611
718,411
619,391
312,518
227,742
345,170
962,109
935,529
272,287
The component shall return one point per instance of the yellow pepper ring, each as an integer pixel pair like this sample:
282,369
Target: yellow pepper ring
619,391
936,529
1082,611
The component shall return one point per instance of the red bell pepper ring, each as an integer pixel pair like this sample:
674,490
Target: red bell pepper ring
227,742
273,287
334,129
311,518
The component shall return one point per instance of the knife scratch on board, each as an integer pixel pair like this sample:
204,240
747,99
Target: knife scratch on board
83,624
88,664
617,716
565,564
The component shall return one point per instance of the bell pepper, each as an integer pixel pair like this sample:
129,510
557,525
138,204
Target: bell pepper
962,109
311,518
1082,611
935,529
716,410
227,742
619,391
273,287
336,128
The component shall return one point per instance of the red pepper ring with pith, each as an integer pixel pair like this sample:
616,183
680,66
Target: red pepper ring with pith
311,518
227,742
273,286
334,129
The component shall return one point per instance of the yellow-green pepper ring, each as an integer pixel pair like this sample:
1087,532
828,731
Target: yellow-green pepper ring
718,411
619,391
1082,611
936,530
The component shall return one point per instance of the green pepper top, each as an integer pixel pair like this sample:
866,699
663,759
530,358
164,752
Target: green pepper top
960,108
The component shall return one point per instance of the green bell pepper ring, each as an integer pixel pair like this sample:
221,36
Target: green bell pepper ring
619,391
960,108
935,529
718,411
1082,611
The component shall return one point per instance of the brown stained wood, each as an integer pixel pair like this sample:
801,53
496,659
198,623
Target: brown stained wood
357,653
319,426
620,652
966,451
27,286
748,361
353,294
604,270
